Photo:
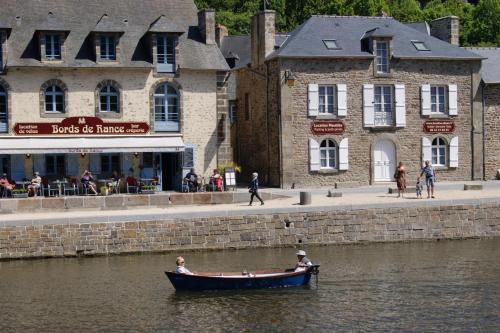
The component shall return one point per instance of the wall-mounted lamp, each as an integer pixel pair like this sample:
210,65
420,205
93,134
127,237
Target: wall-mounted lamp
83,155
136,154
290,78
28,155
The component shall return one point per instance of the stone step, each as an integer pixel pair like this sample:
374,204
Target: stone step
473,187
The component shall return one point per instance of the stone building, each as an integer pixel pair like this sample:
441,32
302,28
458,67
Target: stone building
114,85
343,99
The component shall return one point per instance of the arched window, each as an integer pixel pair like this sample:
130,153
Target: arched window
166,109
438,152
3,111
54,99
328,154
109,100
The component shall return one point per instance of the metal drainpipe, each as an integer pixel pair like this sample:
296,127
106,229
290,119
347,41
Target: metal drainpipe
484,130
267,126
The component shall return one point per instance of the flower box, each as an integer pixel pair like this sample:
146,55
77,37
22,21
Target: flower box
20,195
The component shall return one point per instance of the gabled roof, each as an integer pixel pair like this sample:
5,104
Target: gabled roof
490,70
106,24
162,24
379,32
307,40
80,19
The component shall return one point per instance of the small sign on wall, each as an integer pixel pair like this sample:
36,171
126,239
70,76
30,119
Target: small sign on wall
327,127
439,126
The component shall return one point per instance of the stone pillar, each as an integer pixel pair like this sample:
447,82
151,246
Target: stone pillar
447,29
206,24
477,123
262,34
224,149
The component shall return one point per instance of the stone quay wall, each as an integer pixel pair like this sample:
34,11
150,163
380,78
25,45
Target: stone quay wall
326,226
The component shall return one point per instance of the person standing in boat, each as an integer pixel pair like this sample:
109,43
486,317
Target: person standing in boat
303,262
181,269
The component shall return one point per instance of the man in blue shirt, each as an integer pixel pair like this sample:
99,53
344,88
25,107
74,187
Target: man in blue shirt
430,178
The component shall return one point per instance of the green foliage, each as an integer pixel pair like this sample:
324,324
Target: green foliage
479,25
236,167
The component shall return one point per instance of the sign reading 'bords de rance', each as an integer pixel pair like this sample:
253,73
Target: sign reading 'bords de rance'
81,126
327,127
439,126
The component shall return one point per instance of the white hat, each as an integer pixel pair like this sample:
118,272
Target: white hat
301,253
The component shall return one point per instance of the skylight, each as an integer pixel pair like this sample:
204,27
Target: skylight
420,46
331,44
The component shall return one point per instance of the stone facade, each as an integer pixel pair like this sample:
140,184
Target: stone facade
492,130
232,232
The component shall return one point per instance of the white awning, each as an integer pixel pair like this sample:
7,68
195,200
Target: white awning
15,145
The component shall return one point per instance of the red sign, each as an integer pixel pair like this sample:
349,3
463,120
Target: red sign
439,126
81,126
326,127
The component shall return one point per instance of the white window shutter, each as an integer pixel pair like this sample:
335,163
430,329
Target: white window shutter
368,105
400,105
314,155
426,99
452,100
313,93
341,100
454,152
344,154
426,149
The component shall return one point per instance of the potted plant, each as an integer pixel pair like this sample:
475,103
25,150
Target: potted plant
148,189
19,193
104,190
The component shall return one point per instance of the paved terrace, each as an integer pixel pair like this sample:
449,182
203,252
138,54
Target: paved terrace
367,197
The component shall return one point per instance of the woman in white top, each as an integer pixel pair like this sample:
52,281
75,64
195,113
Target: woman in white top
180,266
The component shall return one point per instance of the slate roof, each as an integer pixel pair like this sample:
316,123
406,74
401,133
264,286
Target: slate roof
490,71
423,27
80,19
307,39
106,24
162,24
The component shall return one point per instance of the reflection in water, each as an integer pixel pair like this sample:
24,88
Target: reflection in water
392,287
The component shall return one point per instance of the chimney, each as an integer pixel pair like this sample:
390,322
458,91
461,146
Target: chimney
262,36
220,33
206,24
447,29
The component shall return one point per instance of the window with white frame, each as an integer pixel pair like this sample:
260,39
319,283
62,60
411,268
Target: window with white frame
166,109
165,53
110,163
54,99
383,105
107,47
53,47
327,99
438,151
55,166
438,100
382,58
3,111
328,154
109,100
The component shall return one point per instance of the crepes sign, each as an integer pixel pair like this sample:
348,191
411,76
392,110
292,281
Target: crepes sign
81,126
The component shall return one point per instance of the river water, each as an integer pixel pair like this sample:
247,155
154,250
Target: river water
429,286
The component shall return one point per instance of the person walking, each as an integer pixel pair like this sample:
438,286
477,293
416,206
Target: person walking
400,176
253,188
430,178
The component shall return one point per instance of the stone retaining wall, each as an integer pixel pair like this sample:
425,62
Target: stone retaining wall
267,230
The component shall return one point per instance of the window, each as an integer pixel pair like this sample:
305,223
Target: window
53,47
232,111
108,48
54,99
3,111
188,158
110,163
326,99
165,50
147,160
420,46
438,151
247,106
438,100
328,154
5,164
382,57
331,44
54,165
108,99
383,106
166,109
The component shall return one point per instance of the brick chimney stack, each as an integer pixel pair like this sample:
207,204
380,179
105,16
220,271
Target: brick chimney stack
221,32
447,29
262,34
206,24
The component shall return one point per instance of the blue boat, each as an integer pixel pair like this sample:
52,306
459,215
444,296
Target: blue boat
274,278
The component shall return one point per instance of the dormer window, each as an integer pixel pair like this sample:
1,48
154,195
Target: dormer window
164,34
108,47
165,53
382,56
106,36
53,47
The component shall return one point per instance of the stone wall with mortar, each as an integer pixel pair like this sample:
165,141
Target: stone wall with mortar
349,226
492,130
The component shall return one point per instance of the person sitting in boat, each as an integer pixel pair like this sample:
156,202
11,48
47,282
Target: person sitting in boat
303,262
181,269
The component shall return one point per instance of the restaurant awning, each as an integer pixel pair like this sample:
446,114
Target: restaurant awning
13,145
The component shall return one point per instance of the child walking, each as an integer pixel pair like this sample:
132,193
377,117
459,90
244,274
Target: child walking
419,188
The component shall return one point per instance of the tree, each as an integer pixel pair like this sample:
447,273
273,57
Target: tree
486,26
406,10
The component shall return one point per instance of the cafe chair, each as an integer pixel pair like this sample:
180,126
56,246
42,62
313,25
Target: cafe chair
70,189
185,188
132,186
53,189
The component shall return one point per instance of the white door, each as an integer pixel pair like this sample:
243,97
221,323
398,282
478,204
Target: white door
384,160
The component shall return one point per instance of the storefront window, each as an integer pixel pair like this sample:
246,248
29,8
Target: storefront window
147,160
327,152
166,109
54,165
3,111
110,163
438,152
